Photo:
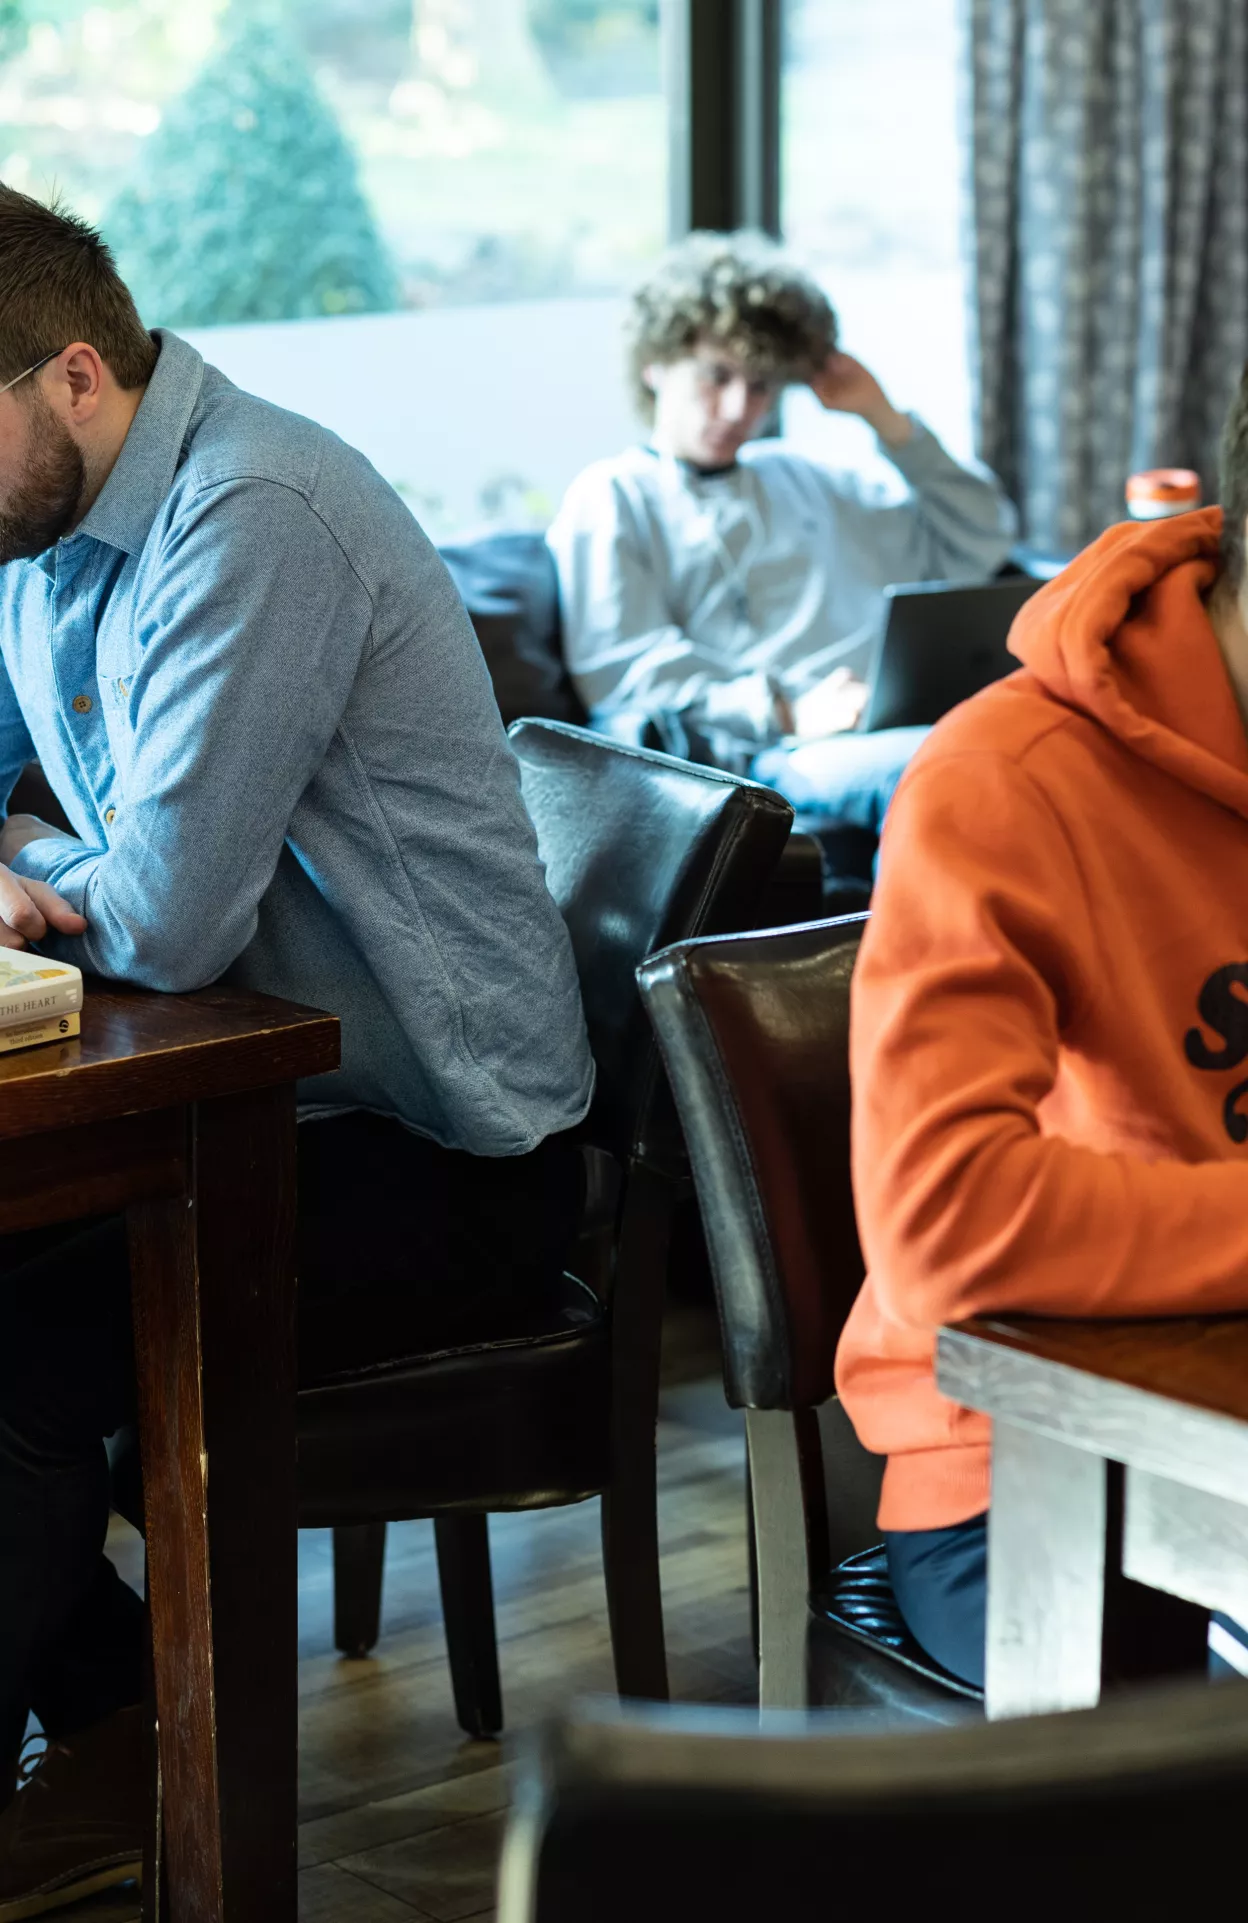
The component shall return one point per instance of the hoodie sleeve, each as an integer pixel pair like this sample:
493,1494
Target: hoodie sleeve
980,955
621,644
954,523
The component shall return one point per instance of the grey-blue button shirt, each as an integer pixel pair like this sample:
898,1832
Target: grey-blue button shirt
253,687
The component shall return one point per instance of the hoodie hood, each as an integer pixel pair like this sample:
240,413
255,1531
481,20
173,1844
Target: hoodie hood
1123,636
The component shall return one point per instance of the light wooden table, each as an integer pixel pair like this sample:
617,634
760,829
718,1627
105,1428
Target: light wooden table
180,1111
1166,1400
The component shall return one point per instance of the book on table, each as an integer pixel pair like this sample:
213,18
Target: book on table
40,1000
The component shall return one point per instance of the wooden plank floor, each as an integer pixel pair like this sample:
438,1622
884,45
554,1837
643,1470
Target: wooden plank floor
400,1815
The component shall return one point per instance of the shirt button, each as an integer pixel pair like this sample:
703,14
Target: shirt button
110,816
82,704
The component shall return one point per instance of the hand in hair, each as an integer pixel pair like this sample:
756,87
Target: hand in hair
846,386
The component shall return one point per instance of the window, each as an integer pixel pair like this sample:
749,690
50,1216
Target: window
871,187
410,219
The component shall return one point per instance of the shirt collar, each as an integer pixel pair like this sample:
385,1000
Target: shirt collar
691,468
123,512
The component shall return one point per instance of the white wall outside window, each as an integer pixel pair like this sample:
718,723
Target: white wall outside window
871,173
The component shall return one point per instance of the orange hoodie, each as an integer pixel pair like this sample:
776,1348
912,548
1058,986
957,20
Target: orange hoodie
1049,1033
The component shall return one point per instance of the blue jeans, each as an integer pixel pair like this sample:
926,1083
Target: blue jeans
841,787
940,1580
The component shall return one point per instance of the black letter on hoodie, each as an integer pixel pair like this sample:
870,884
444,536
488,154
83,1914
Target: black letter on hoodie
1236,1124
1227,1014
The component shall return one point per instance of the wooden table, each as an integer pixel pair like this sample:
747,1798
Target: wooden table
1071,1536
180,1109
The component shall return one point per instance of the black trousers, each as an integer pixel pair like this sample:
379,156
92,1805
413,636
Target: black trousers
434,1231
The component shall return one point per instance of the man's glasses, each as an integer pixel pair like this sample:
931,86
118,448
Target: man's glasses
27,372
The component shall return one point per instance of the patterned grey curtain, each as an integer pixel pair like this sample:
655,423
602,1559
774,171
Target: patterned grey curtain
1108,204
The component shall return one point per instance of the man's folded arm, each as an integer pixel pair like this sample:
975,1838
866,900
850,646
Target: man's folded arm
980,949
249,648
16,746
622,647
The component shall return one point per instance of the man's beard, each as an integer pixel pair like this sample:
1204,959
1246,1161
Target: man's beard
44,504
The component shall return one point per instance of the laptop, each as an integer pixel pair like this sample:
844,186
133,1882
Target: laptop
941,643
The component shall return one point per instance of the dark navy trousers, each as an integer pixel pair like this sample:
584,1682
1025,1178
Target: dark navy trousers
940,1580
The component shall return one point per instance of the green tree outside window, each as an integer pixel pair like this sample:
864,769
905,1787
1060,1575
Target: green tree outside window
246,205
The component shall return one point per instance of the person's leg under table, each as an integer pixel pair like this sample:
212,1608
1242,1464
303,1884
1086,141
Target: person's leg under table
940,1580
71,1632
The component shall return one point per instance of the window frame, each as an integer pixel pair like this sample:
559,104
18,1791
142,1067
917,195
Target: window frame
722,70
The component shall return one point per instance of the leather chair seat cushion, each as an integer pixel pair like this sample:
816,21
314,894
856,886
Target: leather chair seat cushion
515,1416
859,1650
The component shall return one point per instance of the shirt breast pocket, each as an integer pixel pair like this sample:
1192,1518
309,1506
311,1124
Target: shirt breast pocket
116,698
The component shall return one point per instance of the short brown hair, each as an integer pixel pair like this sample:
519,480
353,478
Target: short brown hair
739,290
59,283
1233,487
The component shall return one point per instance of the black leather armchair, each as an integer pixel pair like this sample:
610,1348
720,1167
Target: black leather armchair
507,582
1128,1810
560,1404
754,1030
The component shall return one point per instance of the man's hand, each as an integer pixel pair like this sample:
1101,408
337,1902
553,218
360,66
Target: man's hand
848,387
29,908
832,706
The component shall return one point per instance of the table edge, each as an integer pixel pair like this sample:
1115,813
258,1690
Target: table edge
29,1104
1213,1455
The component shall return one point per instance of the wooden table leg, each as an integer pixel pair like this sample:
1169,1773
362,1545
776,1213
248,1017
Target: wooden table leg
214,1322
1187,1542
1046,1575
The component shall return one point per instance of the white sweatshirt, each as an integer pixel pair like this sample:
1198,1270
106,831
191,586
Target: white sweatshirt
712,593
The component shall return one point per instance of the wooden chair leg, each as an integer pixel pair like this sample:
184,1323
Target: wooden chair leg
154,1903
630,1521
786,1516
463,1544
359,1559
630,1557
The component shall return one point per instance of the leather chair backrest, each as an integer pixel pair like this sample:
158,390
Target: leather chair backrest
640,850
1127,1810
507,582
754,1031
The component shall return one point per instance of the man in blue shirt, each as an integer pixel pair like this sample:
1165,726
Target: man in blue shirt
251,684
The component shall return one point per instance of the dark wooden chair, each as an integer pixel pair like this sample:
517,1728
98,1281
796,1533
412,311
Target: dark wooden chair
1129,1810
754,1030
560,1404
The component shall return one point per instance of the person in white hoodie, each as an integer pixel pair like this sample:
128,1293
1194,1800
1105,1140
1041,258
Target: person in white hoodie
721,595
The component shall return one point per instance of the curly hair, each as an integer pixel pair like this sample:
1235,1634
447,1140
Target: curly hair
1233,487
739,290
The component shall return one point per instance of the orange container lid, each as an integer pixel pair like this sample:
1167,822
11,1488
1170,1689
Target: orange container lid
1165,484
